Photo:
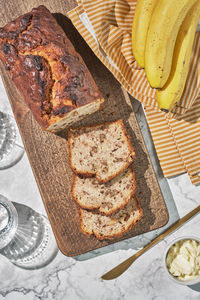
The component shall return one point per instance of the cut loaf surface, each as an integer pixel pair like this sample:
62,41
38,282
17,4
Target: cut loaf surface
109,227
102,150
107,197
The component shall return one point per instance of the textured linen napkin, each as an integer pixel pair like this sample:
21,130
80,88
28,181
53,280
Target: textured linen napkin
106,27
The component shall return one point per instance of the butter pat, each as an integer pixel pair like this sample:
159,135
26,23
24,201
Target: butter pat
183,260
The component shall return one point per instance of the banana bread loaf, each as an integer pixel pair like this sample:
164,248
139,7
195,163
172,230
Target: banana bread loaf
48,72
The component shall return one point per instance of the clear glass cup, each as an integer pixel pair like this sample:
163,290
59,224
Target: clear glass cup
26,237
8,221
11,149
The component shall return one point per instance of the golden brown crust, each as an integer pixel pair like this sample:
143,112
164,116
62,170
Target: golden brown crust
99,237
45,67
88,234
87,174
126,201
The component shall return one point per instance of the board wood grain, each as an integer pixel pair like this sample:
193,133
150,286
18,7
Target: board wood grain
48,154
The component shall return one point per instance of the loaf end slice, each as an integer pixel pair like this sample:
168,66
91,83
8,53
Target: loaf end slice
74,116
109,227
107,197
102,151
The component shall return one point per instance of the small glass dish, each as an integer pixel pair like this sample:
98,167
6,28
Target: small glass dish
175,279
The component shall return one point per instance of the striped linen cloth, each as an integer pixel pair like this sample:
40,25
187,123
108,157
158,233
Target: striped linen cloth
106,27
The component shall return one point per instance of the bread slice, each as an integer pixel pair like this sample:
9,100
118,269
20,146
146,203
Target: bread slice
109,227
101,150
107,197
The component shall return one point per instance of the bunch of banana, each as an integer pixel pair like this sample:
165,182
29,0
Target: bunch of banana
162,38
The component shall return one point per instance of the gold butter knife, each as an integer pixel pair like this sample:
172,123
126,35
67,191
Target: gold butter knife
121,268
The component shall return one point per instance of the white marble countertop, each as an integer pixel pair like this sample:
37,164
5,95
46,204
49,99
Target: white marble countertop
79,278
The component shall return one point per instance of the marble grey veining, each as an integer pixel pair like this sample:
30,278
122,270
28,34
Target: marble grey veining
79,278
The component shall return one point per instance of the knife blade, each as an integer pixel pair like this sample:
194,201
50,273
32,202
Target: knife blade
121,268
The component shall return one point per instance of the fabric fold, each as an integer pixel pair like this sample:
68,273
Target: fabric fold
106,27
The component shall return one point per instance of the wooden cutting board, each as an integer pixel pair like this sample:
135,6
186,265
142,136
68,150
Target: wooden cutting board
48,152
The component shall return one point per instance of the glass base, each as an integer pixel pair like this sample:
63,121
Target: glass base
10,151
33,245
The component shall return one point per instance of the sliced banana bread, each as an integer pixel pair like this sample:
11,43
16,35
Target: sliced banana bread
102,150
109,227
107,197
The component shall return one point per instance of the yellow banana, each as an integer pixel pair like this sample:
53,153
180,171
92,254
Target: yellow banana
172,91
166,20
141,20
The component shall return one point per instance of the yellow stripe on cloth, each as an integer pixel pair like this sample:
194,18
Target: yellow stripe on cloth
166,148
